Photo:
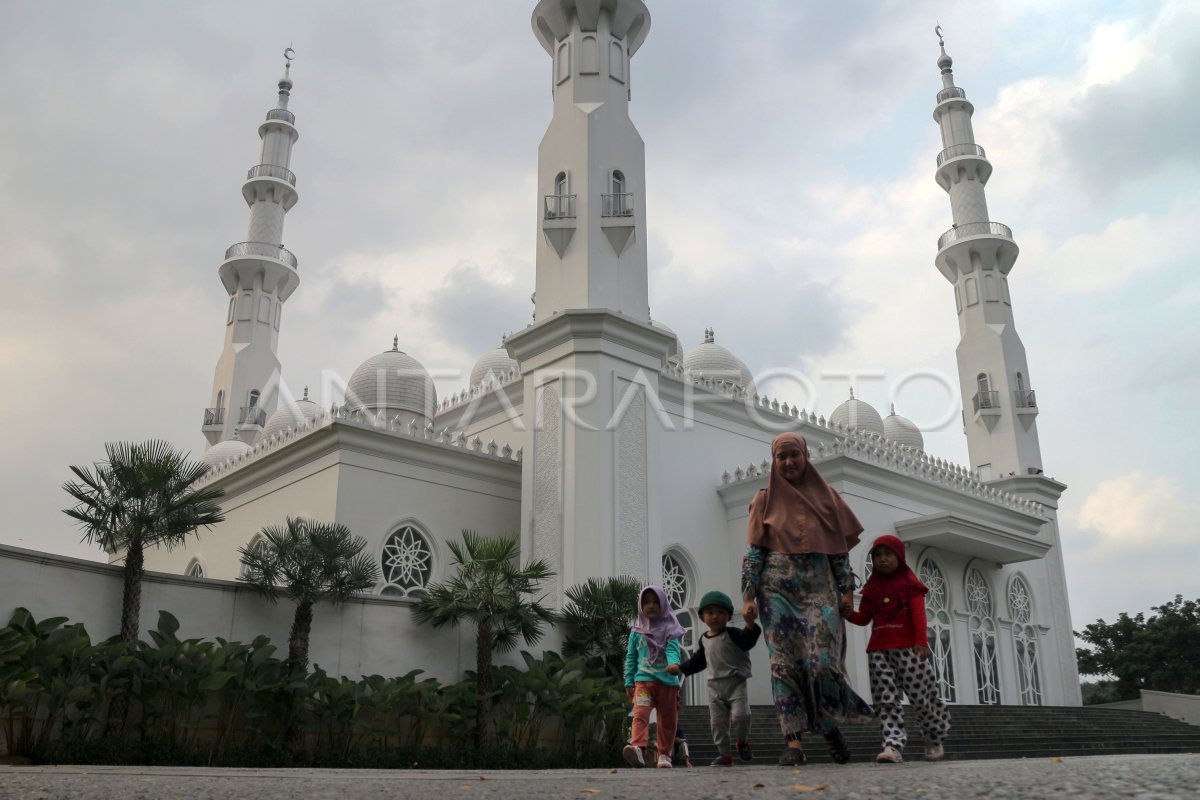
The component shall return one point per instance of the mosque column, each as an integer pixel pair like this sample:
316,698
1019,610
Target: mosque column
259,274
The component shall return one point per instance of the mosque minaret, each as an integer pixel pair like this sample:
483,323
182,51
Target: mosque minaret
259,274
976,255
591,250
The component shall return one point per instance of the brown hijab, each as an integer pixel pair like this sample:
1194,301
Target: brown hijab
806,518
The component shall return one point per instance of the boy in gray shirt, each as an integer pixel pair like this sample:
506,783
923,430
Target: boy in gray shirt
724,652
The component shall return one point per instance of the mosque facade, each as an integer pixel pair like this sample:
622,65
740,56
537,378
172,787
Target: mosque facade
610,449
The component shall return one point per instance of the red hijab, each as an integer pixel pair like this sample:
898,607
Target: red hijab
890,593
809,517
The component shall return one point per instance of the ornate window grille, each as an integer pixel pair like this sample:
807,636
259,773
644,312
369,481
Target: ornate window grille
983,638
677,584
1025,641
195,569
937,620
407,562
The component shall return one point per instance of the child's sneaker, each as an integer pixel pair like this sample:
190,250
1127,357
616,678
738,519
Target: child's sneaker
633,756
722,761
744,751
934,751
664,761
890,755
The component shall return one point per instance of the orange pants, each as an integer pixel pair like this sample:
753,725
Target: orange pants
662,698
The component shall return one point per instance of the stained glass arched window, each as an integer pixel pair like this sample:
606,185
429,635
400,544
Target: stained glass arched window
982,623
937,620
407,562
1025,641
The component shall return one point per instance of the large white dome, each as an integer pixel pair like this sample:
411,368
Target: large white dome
711,360
854,413
675,354
902,431
221,452
494,362
392,383
290,416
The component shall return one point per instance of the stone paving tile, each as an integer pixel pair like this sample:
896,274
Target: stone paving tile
1145,777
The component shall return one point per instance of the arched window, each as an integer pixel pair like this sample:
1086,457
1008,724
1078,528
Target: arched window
194,569
560,184
221,399
984,384
619,203
589,56
254,395
1025,641
1020,382
677,583
618,182
563,63
983,637
407,562
257,544
937,620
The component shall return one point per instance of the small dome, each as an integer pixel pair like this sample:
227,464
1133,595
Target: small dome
291,416
494,362
675,354
224,451
856,414
392,382
902,431
711,360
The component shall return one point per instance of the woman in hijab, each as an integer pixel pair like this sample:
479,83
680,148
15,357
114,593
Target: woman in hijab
795,574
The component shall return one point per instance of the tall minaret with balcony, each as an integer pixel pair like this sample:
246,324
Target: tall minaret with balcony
591,249
259,275
976,255
591,360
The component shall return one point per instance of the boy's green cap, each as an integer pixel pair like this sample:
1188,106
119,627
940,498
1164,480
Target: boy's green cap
715,598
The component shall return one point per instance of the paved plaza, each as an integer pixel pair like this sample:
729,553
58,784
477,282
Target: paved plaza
1147,777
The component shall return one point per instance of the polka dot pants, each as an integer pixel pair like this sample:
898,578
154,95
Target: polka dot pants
896,673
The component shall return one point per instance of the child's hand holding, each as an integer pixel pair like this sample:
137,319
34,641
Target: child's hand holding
923,652
674,669
749,611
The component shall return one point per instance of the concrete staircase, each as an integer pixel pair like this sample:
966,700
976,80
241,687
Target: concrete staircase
977,732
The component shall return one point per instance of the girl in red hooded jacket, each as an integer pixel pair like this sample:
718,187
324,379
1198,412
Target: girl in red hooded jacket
898,654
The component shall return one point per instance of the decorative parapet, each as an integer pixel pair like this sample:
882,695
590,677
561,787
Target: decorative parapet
395,426
874,449
734,391
489,384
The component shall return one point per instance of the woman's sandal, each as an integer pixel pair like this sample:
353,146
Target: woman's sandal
792,757
838,749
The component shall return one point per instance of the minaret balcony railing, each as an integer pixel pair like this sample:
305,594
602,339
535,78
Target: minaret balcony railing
956,150
957,232
616,205
985,400
953,91
283,114
265,249
272,171
252,415
560,206
1024,398
214,416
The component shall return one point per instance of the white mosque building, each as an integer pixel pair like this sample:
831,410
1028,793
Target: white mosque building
609,449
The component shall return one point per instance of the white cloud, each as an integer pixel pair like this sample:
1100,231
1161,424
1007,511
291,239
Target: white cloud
1139,510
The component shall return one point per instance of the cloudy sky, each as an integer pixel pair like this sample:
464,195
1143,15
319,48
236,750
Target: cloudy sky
791,205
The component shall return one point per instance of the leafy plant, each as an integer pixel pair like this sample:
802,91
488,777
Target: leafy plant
598,615
495,594
308,562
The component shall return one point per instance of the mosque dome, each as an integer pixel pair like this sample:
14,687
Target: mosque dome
290,416
675,354
495,362
392,382
902,431
711,360
854,413
224,451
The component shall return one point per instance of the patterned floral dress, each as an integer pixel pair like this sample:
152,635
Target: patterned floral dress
798,609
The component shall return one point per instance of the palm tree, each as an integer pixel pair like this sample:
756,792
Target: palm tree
598,616
140,496
307,561
492,591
